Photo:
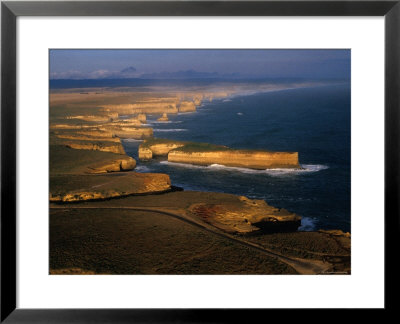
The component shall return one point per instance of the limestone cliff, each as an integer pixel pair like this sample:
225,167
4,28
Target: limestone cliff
79,137
157,147
197,100
131,122
121,164
96,146
74,188
128,131
207,154
150,107
164,117
91,118
187,106
141,117
145,154
95,132
65,126
237,158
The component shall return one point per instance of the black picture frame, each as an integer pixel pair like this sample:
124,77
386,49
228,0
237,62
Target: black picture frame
11,10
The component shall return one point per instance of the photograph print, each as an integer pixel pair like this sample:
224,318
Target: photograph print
200,161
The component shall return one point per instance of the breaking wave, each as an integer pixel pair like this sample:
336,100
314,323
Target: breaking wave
305,168
141,168
151,122
170,130
307,224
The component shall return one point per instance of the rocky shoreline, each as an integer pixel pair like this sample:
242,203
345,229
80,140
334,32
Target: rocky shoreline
89,166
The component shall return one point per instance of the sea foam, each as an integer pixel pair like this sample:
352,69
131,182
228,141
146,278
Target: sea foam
151,122
305,168
170,130
142,168
307,224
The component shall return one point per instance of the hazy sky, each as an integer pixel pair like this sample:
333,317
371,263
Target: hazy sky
94,64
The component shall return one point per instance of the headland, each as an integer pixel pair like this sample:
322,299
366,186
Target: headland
208,154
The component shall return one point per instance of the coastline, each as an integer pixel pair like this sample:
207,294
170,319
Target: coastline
231,218
315,168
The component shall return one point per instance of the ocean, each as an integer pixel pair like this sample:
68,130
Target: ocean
313,121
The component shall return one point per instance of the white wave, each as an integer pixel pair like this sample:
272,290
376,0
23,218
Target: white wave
307,224
170,130
240,114
226,100
141,168
151,122
158,122
305,168
313,167
183,165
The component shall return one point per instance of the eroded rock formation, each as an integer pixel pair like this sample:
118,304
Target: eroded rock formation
246,216
142,117
208,154
131,132
97,146
121,164
237,158
187,106
149,107
157,147
164,117
92,118
79,137
145,154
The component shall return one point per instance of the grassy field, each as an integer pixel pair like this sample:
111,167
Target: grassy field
68,228
133,242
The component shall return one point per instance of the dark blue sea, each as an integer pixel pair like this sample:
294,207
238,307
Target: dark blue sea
312,121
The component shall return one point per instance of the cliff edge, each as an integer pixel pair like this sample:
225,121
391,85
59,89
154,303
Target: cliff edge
208,154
